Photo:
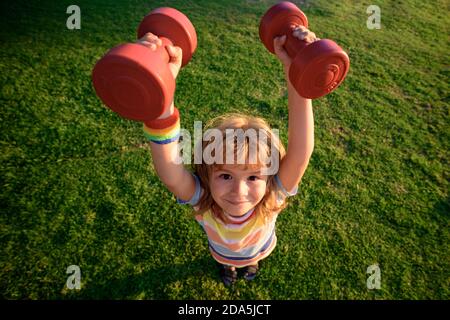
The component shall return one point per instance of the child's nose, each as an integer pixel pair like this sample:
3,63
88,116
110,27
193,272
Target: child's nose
240,187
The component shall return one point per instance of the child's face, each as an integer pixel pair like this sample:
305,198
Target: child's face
237,190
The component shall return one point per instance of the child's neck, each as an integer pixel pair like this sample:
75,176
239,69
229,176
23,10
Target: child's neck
238,218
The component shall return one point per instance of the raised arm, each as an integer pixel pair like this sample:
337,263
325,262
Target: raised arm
301,121
165,154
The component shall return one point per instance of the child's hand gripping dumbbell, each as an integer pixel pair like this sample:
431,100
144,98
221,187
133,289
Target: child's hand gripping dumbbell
317,67
154,43
138,82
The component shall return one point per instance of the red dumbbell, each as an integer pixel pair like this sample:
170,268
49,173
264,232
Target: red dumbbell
317,68
135,81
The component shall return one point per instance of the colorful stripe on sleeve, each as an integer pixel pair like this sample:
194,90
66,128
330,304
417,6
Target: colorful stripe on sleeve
163,136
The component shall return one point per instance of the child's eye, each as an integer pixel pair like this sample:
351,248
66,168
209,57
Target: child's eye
253,178
225,176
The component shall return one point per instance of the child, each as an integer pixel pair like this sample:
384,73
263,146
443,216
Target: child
236,204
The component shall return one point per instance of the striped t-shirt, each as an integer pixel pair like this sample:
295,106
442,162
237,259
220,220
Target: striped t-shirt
240,241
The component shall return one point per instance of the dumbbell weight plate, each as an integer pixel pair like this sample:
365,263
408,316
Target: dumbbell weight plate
134,81
174,25
319,69
277,21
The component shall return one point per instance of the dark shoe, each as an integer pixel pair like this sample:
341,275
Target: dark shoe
228,275
250,272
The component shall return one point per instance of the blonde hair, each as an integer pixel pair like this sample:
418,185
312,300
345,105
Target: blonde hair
269,204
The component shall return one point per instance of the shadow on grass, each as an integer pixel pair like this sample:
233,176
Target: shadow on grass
152,283
443,207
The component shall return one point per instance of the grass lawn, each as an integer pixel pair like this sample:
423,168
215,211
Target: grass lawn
78,186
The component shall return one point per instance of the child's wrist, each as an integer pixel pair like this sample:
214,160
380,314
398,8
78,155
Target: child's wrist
163,130
289,85
286,76
292,92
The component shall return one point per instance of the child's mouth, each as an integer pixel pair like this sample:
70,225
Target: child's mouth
236,203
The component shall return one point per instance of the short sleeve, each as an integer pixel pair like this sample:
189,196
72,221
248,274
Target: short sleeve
196,197
283,190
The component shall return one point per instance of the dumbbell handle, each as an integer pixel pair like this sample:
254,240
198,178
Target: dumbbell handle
162,51
293,45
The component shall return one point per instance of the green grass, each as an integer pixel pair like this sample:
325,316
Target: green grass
78,185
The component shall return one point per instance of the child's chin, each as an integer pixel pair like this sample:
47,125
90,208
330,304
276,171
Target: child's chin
238,210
